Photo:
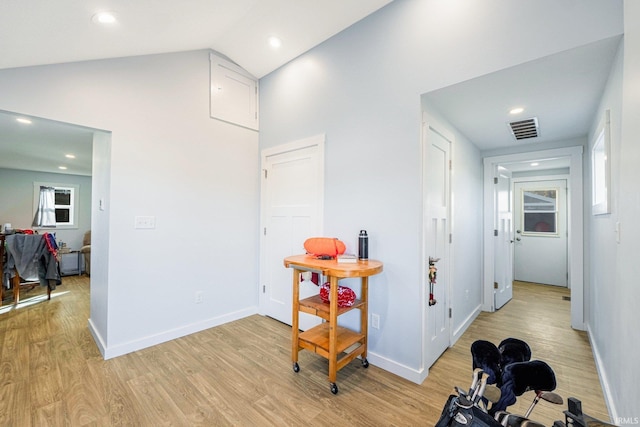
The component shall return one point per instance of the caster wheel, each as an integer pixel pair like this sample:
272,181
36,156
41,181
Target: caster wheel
296,367
365,363
334,388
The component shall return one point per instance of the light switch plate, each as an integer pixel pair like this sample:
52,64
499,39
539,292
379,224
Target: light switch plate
145,222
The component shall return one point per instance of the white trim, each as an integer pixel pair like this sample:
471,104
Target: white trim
413,375
429,122
165,336
295,145
218,81
316,140
97,337
600,368
417,375
465,325
540,178
575,225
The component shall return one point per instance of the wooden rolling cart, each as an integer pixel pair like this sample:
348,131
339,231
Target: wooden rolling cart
328,339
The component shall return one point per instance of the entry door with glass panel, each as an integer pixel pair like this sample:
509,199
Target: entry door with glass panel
540,252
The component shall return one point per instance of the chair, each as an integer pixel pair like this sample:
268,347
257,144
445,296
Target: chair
26,262
85,250
18,284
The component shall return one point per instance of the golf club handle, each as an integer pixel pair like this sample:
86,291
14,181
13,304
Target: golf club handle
533,404
480,390
477,374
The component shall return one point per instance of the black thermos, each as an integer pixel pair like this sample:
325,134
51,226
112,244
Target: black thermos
363,245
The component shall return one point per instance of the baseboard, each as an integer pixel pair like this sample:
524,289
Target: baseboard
97,337
602,374
457,333
415,376
109,352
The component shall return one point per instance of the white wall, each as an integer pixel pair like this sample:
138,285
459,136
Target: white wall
614,271
603,247
623,368
362,89
16,201
198,176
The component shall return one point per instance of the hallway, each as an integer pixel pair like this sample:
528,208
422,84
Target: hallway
539,315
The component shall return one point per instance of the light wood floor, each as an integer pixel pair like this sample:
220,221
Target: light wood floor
240,374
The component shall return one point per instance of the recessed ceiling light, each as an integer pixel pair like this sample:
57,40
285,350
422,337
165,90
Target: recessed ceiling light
275,42
23,120
70,156
62,167
104,18
535,164
516,110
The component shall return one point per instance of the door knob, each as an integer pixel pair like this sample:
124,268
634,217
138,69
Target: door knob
518,239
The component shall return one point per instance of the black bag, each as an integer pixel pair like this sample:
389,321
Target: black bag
459,411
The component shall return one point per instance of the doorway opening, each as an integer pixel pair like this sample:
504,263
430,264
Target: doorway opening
35,153
569,158
540,223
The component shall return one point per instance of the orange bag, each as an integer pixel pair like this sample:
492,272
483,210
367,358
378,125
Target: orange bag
329,246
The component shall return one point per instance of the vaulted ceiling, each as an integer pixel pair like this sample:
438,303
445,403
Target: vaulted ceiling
561,91
40,32
47,32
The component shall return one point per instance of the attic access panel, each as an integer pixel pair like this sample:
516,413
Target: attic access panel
233,94
524,129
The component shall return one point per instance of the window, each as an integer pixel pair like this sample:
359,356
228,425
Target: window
64,206
601,172
66,203
540,211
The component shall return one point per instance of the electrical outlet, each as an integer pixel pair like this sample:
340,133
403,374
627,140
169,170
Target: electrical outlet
375,321
199,297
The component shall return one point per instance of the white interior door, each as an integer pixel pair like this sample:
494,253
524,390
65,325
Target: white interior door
436,185
292,194
503,271
541,232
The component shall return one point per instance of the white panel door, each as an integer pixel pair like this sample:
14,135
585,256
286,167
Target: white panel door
503,261
292,202
436,185
541,232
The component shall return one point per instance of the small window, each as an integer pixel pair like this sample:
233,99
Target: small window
601,168
66,203
64,206
540,211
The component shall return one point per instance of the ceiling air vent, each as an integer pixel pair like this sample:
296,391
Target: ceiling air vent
524,129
